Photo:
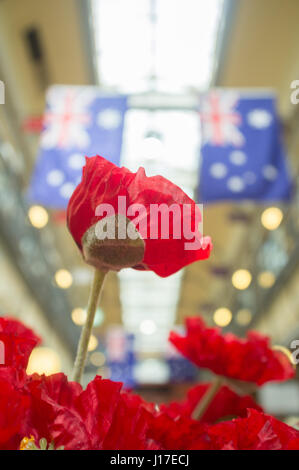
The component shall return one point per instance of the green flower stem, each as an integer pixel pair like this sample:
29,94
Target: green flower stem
204,403
94,296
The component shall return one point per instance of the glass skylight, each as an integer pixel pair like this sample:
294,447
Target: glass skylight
164,51
170,41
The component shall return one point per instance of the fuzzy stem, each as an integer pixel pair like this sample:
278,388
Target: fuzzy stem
204,403
95,292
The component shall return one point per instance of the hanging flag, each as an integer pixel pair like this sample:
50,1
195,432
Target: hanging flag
242,154
180,369
33,124
120,355
79,121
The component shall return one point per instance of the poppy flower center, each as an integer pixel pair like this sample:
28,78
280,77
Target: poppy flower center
113,244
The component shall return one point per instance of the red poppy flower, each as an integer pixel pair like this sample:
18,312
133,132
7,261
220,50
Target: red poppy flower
257,431
293,444
181,433
14,406
100,417
153,249
16,343
60,412
226,403
130,429
52,413
249,359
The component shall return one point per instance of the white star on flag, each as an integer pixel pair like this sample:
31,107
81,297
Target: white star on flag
109,118
259,118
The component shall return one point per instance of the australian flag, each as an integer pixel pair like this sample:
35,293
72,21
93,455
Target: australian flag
242,154
79,121
180,369
120,354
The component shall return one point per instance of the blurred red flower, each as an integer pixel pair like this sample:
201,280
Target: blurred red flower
257,431
249,359
16,343
181,433
103,416
14,406
100,417
52,414
225,404
50,407
103,183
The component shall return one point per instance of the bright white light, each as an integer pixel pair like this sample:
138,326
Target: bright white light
122,38
148,327
152,148
185,36
177,150
152,371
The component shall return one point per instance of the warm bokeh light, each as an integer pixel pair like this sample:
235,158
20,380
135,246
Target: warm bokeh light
97,358
93,343
63,278
44,361
222,316
271,218
241,279
243,317
148,327
266,279
79,316
38,216
151,371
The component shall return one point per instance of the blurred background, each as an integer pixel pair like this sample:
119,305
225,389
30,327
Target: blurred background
152,61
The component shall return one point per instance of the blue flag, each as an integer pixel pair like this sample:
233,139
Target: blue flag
79,121
120,355
242,154
181,370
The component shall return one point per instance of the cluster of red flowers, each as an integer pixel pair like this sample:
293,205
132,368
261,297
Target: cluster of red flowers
37,409
49,407
49,412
